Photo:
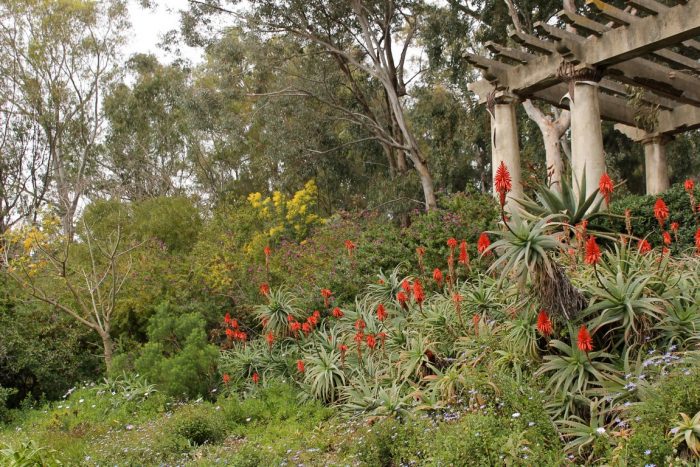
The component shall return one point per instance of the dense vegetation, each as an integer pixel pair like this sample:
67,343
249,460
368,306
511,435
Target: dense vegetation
281,256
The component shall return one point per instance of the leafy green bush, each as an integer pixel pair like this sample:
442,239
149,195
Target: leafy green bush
178,358
5,393
198,424
645,224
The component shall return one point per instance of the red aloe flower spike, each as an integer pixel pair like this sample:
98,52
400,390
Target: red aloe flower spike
544,324
265,289
227,378
475,323
371,341
697,241
667,238
452,243
418,294
326,294
437,275
337,313
584,341
463,255
483,243
661,211
360,324
502,183
689,185
381,312
300,366
606,187
644,246
402,298
256,378
592,251
270,339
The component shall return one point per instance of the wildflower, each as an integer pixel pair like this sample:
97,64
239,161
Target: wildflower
502,183
256,377
326,294
689,185
437,275
600,430
483,243
660,211
418,294
343,348
360,325
475,322
452,243
227,378
230,333
674,227
227,318
584,342
544,324
295,326
270,338
420,251
265,289
463,255
592,251
371,341
300,366
306,327
516,415
644,246
317,316
606,187
350,246
337,313
402,298
359,337
667,238
697,240
406,286
381,312
267,252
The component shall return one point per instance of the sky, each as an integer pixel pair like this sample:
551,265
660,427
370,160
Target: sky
149,25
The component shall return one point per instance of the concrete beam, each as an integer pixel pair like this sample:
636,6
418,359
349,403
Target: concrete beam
653,7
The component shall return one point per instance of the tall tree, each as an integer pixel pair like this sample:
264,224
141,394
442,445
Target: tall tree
56,58
360,37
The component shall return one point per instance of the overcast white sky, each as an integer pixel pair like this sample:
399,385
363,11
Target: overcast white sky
149,25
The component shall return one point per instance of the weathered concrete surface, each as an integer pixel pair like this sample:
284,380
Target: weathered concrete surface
586,137
656,167
506,146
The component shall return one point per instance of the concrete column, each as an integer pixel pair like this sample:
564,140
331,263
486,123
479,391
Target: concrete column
505,145
586,136
655,164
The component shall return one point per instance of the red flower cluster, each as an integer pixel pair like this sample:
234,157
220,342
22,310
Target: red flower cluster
402,298
265,289
267,250
475,323
256,378
350,246
371,341
689,185
326,294
360,324
667,238
661,211
644,246
606,187
463,255
381,312
592,251
418,294
697,241
227,378
437,275
406,286
338,313
544,324
270,338
584,341
300,366
233,331
502,183
452,243
483,243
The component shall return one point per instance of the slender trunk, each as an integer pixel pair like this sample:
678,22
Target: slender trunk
108,346
555,165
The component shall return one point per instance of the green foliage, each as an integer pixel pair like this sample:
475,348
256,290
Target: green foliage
5,394
173,222
198,424
645,224
178,357
27,454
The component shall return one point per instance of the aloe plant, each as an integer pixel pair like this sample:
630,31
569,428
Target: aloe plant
688,430
525,248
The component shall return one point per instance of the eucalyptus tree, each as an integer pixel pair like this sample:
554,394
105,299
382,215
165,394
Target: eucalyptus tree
363,38
56,58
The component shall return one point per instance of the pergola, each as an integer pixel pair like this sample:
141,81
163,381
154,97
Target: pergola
594,60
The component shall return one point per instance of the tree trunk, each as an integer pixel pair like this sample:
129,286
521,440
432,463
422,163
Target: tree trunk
551,130
108,346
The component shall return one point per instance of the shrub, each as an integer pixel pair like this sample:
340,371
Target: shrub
198,424
5,393
645,224
178,357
